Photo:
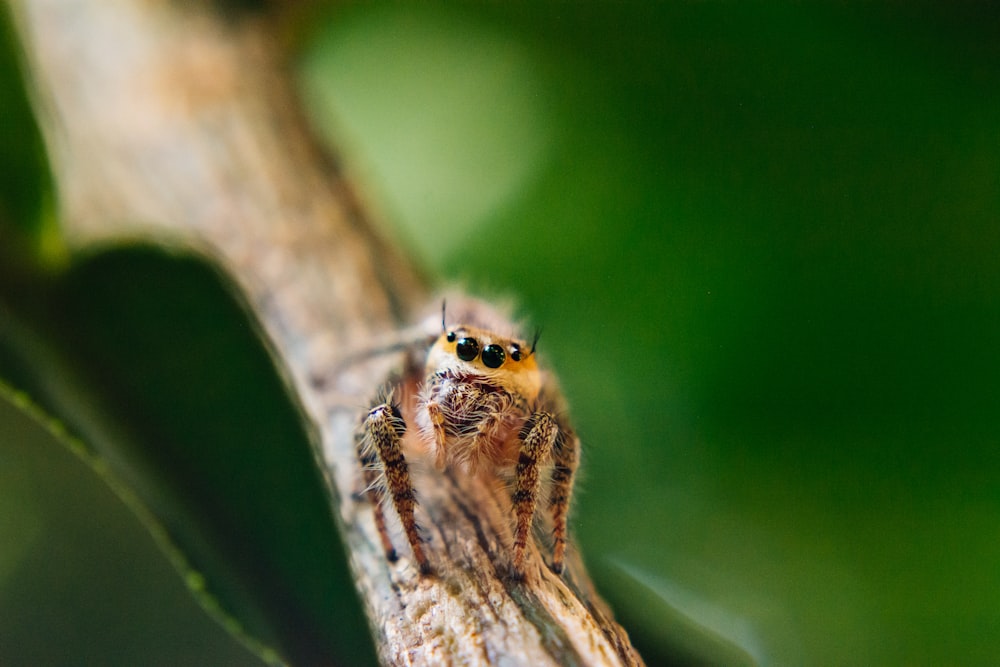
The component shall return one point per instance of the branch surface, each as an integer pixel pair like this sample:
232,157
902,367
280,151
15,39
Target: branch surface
164,119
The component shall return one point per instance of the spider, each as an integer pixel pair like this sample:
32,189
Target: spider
477,402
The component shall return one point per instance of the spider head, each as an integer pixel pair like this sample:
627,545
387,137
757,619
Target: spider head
508,362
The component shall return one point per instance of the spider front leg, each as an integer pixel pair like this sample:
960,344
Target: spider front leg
437,419
566,455
537,438
369,469
384,428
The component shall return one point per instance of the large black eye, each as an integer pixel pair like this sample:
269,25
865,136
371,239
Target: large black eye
467,349
493,356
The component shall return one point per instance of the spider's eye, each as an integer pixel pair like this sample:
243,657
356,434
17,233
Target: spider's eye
493,356
467,349
515,353
450,337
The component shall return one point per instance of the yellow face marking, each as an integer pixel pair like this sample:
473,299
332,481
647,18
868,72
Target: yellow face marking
506,361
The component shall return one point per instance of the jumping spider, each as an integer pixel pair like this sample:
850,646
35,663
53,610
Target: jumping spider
480,406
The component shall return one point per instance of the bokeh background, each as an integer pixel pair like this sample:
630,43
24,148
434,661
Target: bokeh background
763,244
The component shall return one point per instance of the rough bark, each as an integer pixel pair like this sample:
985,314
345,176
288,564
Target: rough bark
168,119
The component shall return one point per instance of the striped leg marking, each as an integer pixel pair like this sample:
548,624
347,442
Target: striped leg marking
566,453
537,437
384,428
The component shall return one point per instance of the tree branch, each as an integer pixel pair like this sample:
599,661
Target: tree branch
163,119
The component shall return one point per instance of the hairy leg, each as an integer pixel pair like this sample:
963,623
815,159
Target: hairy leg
566,455
370,467
537,437
384,428
437,423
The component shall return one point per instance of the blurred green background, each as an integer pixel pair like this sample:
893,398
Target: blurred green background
763,243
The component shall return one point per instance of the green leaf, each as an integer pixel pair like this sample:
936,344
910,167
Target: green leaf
155,365
82,579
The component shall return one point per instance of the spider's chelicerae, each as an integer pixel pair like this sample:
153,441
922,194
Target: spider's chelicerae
475,400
